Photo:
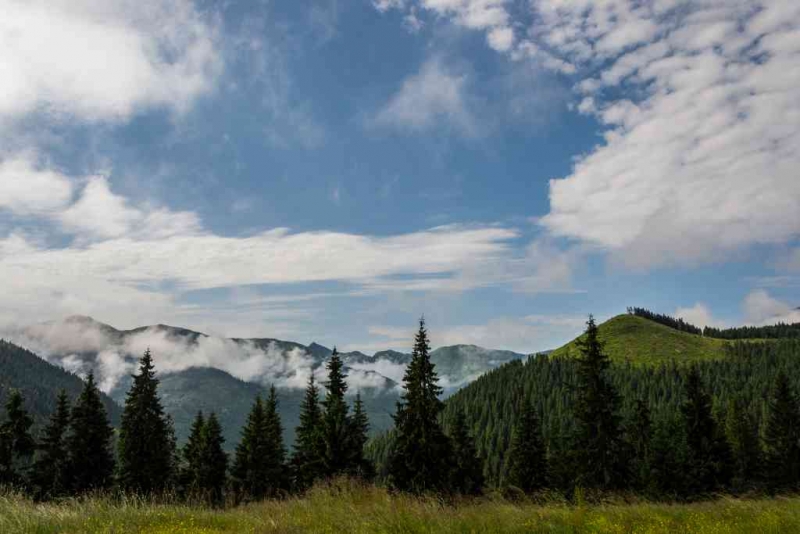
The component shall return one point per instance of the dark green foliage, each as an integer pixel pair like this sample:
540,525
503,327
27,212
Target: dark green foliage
210,479
741,431
146,447
666,320
309,446
639,435
48,476
466,477
669,452
418,461
16,443
599,446
358,428
90,461
782,437
258,470
191,456
40,383
335,420
527,457
708,454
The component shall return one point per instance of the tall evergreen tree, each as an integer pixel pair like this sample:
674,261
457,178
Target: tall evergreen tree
258,469
419,458
90,460
191,454
527,460
335,419
213,464
309,446
600,448
741,431
782,437
708,454
16,443
668,467
358,464
640,437
467,469
49,471
146,447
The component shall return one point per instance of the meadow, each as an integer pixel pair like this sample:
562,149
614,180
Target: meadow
362,509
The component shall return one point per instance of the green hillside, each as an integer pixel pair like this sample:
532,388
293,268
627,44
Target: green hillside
640,341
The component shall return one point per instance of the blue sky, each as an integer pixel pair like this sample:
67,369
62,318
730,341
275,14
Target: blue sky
331,170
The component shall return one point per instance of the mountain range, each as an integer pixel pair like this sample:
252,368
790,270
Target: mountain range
201,372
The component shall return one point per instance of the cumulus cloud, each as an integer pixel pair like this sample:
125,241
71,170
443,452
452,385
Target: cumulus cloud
700,112
29,189
699,315
427,97
761,308
101,61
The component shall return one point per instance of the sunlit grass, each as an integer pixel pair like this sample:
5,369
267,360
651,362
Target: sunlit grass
349,508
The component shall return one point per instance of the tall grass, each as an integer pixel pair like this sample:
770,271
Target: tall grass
345,507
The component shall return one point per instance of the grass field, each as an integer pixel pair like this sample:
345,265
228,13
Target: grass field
644,342
370,509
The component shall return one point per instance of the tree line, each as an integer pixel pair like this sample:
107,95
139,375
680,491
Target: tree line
776,331
79,452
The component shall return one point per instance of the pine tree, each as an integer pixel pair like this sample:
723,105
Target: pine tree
419,458
90,463
358,465
640,437
742,434
600,448
146,448
213,462
258,469
308,447
669,453
467,469
782,437
335,419
527,461
16,443
192,456
708,455
49,471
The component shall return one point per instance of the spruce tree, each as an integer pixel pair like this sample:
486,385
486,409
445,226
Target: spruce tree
146,447
258,469
708,455
309,446
419,458
213,462
467,469
600,448
782,438
527,460
358,464
192,456
90,460
741,431
335,420
640,437
49,471
16,443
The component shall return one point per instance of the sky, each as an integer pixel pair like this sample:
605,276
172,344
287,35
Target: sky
331,170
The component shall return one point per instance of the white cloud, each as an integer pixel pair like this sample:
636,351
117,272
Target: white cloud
699,315
433,94
761,308
700,112
27,189
103,60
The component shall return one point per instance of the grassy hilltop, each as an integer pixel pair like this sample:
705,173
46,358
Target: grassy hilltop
637,340
370,509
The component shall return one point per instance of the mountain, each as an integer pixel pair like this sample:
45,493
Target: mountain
40,383
640,341
201,372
